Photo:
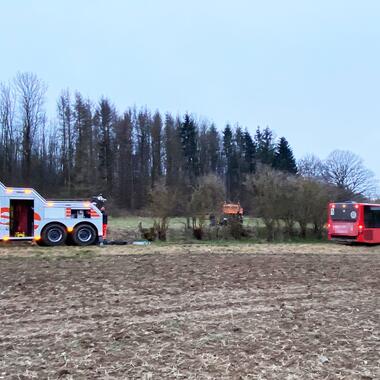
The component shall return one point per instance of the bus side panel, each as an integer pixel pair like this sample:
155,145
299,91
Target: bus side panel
376,235
371,235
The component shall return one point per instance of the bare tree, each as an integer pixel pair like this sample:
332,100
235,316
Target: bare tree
7,130
66,136
312,199
30,93
163,203
206,199
310,166
346,170
287,207
266,195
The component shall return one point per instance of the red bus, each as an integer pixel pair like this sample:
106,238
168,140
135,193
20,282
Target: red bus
354,222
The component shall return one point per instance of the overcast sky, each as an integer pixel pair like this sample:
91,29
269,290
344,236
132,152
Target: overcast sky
310,70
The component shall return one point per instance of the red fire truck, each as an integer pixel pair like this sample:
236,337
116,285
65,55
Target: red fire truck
354,222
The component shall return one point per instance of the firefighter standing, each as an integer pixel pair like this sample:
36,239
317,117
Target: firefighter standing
105,222
99,203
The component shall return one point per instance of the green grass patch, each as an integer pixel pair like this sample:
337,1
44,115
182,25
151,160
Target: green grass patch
132,222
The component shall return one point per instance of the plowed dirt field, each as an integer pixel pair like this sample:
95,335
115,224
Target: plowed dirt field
203,315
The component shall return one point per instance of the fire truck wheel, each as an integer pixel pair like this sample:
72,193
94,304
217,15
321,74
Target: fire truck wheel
53,234
84,234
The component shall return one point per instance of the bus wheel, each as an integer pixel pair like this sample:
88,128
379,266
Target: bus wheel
84,234
53,235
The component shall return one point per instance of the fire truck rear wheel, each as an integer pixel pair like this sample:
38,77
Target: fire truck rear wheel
53,235
84,234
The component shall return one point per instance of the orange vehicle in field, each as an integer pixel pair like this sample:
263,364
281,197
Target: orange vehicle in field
232,211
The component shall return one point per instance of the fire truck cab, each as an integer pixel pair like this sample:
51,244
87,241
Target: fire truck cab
26,215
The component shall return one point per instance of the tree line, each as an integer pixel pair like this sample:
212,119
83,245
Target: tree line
90,147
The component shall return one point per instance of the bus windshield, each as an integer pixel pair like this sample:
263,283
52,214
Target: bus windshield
343,212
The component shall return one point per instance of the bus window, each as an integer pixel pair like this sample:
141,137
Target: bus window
372,217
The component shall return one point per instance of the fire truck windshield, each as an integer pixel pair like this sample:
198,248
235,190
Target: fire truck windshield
343,212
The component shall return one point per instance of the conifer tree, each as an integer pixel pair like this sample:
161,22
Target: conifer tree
143,158
228,156
204,160
265,146
284,158
238,167
189,143
213,146
172,151
249,152
124,161
156,171
84,152
105,117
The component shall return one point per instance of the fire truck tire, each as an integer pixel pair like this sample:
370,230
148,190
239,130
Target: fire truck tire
84,234
53,235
